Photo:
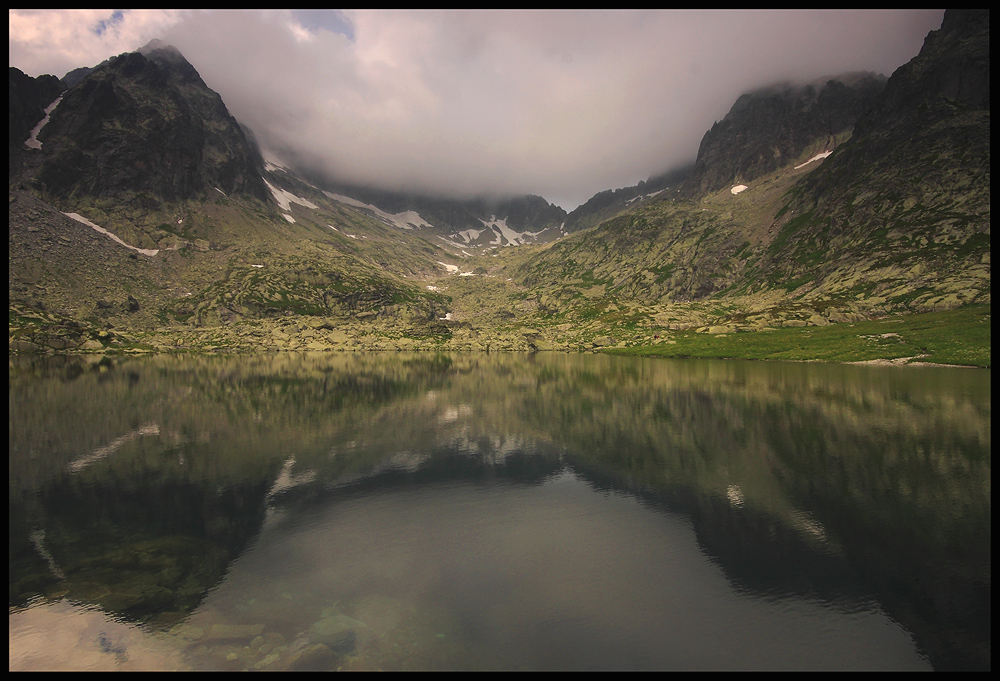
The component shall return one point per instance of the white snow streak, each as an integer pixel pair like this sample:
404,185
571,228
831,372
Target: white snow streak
470,234
408,219
32,141
286,199
817,157
80,218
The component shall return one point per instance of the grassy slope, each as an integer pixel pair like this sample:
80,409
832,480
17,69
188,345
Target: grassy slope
338,279
960,336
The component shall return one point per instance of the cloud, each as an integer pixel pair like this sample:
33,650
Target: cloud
562,104
57,41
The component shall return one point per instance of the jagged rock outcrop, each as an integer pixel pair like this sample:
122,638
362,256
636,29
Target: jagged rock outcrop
769,128
144,123
529,213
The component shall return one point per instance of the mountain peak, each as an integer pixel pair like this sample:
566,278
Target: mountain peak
145,122
156,50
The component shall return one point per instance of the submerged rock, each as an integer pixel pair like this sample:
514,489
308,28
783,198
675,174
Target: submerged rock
336,632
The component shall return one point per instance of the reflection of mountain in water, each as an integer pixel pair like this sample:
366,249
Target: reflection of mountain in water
829,482
133,487
144,547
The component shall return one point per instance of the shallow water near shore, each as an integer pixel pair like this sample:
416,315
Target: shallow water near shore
513,511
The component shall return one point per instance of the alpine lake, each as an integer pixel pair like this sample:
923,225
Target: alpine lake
496,511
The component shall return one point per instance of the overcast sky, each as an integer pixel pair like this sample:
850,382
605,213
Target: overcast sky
561,104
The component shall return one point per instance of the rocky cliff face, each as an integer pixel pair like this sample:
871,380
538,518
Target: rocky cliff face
772,127
910,192
933,113
146,124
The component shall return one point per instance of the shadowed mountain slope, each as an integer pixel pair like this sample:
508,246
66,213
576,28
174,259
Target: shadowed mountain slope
770,128
145,123
27,98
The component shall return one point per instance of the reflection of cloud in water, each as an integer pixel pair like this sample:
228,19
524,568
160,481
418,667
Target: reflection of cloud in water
64,637
557,575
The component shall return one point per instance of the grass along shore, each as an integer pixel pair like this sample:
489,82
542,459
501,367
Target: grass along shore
956,337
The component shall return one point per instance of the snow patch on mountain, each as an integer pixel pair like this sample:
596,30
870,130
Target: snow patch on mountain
457,246
643,197
407,219
513,237
817,157
739,188
353,236
32,141
285,199
470,234
500,228
80,218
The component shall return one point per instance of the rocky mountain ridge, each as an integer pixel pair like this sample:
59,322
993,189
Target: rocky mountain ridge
768,128
473,224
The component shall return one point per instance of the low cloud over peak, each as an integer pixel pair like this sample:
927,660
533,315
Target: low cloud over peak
561,104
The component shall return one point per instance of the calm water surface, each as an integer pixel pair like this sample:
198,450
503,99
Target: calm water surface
496,512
